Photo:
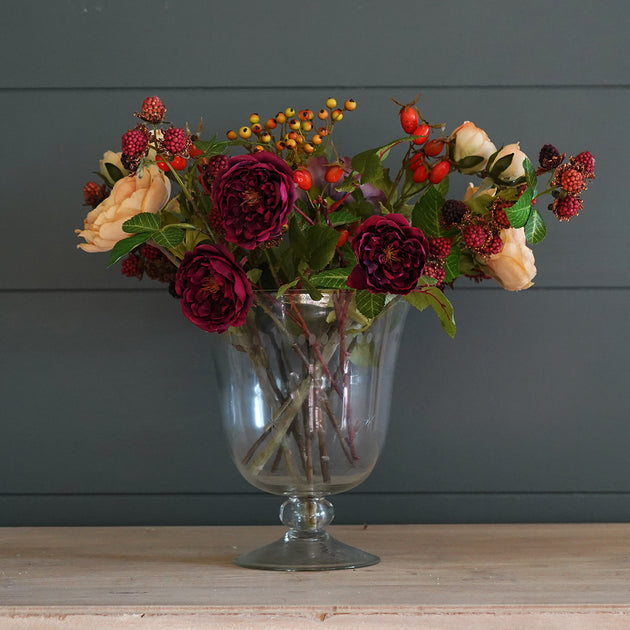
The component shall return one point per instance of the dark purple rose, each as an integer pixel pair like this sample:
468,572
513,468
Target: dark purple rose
214,289
391,255
254,195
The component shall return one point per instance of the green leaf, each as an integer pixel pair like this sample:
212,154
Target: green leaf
535,228
126,245
500,165
332,278
254,275
143,222
169,237
114,172
289,285
321,244
530,175
443,187
369,304
451,264
369,165
314,292
470,161
518,214
426,212
342,217
434,298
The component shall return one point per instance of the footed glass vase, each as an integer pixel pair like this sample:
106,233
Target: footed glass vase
306,387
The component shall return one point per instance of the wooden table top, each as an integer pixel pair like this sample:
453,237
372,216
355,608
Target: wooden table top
569,576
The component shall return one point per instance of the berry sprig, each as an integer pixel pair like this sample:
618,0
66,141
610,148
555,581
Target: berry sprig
294,136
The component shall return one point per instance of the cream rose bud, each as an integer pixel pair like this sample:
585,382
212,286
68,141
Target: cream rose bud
110,157
130,195
469,141
515,169
513,267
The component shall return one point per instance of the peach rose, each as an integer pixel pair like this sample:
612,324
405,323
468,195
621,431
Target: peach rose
515,169
129,196
513,267
469,140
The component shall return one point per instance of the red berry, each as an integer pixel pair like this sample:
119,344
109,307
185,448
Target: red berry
194,152
421,174
423,131
343,237
178,163
416,161
433,147
439,171
333,174
409,118
302,177
159,160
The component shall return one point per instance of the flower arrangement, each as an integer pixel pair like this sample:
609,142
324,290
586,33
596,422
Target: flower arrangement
289,212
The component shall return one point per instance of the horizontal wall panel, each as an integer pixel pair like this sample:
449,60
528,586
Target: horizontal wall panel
355,507
107,392
42,206
356,42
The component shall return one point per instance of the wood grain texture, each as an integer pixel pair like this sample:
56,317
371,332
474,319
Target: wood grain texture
529,576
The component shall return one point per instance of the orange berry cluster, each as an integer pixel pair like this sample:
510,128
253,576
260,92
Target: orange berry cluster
293,135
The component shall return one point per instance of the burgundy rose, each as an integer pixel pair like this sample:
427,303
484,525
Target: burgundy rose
391,255
214,289
253,197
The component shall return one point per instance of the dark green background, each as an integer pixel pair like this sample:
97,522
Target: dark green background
108,407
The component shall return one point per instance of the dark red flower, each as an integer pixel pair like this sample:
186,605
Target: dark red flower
214,289
391,255
253,196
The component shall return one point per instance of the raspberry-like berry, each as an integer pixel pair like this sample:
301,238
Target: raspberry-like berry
94,194
453,211
566,207
493,247
217,163
476,237
151,253
500,219
571,180
175,140
161,269
134,142
153,110
587,161
549,158
434,269
439,247
132,266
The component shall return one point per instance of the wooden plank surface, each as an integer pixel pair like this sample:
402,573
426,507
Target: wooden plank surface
530,576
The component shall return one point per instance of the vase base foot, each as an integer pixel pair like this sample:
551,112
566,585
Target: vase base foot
323,553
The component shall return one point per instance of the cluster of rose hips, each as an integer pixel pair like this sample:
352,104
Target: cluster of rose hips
568,181
427,162
295,136
173,145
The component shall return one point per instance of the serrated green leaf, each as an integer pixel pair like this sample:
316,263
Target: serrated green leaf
426,212
369,304
434,298
169,237
321,242
535,228
332,278
518,214
126,245
143,222
451,264
342,217
530,176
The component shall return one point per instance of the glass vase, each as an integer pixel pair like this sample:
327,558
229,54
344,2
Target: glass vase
306,388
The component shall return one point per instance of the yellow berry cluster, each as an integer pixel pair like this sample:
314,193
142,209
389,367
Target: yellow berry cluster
298,135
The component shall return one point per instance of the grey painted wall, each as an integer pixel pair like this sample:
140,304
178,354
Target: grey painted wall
108,403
